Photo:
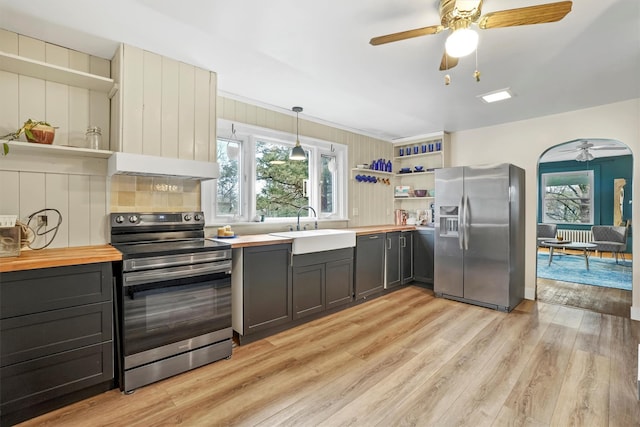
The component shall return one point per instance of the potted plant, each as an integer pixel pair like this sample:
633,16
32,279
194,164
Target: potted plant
39,132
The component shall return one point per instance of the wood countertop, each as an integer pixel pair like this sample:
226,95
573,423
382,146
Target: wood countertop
373,229
253,240
250,240
59,257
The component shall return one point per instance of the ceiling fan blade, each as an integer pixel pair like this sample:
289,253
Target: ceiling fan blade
607,147
539,14
425,31
447,62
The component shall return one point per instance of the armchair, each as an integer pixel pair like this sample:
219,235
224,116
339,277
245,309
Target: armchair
546,232
609,238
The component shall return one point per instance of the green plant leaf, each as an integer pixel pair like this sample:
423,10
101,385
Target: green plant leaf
5,148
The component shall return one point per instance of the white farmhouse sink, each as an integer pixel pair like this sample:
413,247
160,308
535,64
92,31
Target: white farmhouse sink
306,241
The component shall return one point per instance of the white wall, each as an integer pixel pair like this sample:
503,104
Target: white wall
522,143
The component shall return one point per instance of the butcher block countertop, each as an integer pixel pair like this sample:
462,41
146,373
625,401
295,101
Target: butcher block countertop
30,260
250,240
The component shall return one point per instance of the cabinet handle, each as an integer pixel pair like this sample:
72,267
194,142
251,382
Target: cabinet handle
403,240
374,237
389,243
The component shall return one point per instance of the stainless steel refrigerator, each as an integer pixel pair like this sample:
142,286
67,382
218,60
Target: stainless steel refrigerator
479,245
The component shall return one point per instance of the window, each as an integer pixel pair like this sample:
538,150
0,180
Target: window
257,179
229,190
568,197
281,184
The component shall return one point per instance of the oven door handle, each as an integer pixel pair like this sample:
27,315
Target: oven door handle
164,274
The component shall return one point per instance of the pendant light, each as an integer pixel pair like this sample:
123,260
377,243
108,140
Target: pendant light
297,153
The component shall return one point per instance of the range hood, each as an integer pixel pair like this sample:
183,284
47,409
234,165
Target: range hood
142,164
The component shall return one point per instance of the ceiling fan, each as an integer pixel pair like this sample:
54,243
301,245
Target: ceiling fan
584,150
460,15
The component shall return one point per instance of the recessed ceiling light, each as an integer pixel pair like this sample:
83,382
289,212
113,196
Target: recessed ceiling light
498,95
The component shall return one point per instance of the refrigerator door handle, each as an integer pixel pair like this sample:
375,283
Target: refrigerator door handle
467,223
461,223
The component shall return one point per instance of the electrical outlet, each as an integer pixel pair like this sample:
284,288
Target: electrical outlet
355,211
42,220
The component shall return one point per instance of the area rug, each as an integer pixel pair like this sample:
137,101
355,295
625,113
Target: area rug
571,268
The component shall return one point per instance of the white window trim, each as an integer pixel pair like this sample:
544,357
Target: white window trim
591,175
248,134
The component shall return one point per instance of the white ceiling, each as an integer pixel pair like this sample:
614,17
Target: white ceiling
316,54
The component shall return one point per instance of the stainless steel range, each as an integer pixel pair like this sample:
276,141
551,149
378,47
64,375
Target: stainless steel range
173,296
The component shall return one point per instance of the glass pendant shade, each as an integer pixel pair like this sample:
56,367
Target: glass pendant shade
461,42
584,156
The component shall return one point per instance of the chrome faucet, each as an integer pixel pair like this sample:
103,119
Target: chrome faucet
311,209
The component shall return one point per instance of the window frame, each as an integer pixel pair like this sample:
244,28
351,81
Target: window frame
249,135
543,195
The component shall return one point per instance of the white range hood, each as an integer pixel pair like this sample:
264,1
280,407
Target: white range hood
142,164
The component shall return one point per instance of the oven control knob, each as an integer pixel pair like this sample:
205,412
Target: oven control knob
198,217
133,219
119,219
187,217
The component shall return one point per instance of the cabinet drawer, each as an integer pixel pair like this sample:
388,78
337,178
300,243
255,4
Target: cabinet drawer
29,383
34,291
29,337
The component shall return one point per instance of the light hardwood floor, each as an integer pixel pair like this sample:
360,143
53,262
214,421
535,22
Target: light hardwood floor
405,358
616,302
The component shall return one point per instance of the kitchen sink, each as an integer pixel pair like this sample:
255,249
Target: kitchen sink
306,241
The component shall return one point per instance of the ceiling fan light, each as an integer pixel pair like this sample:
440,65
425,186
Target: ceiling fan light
461,42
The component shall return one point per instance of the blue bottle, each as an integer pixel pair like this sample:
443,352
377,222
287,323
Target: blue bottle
389,166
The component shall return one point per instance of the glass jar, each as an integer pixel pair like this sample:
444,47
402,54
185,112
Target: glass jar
93,137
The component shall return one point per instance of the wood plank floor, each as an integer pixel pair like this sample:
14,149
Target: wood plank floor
616,302
405,358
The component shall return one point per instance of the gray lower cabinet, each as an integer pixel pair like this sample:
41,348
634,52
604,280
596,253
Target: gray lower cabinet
398,258
423,255
321,280
56,338
369,265
266,287
406,257
339,282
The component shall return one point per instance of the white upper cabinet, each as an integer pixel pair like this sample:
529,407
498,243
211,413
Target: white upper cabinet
164,107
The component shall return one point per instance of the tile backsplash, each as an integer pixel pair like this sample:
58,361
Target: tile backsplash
131,193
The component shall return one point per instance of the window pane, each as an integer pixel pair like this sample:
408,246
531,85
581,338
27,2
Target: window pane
280,182
228,184
568,197
327,184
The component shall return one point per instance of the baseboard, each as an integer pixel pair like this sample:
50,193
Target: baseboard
635,313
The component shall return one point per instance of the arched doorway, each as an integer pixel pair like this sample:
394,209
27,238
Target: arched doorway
582,183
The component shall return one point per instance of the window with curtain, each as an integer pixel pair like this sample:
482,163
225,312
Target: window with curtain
568,197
